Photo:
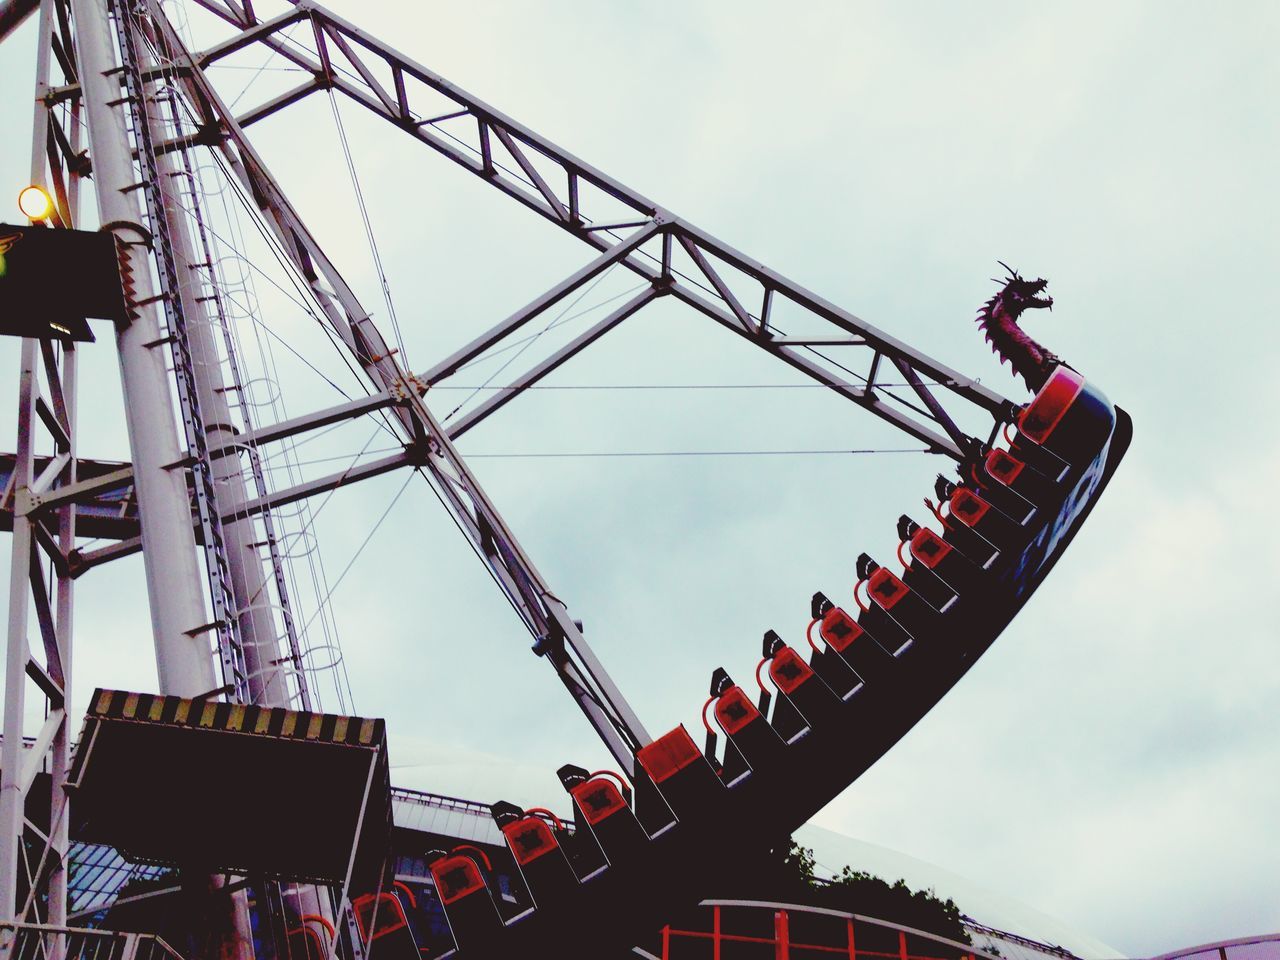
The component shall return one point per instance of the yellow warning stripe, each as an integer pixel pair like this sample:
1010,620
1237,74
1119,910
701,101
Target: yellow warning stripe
200,713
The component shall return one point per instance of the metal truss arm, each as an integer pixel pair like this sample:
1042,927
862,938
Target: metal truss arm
476,515
514,159
567,191
80,562
450,365
572,349
85,490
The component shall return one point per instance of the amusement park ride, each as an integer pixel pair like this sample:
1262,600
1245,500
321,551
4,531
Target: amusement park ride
121,98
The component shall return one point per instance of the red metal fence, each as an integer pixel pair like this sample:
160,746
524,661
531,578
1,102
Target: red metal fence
750,930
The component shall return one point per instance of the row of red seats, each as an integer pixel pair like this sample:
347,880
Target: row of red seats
989,517
990,522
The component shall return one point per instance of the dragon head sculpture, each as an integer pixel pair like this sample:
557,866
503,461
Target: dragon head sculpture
998,319
1019,294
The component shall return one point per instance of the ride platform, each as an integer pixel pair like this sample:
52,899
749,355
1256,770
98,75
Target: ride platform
259,791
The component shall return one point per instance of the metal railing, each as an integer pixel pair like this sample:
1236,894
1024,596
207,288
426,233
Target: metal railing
35,941
749,929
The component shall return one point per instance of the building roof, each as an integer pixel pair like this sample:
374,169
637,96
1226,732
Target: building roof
448,816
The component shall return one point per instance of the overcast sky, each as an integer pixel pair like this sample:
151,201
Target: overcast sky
1114,760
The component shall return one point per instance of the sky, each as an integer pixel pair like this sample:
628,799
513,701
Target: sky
1114,760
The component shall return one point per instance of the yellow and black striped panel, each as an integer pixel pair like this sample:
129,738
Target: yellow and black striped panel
199,714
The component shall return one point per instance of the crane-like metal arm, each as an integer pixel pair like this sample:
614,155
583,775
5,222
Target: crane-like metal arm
697,268
671,255
537,605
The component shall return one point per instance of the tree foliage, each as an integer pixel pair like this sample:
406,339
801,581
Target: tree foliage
790,876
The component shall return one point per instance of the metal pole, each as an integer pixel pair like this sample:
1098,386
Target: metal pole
60,750
258,639
466,499
17,650
174,591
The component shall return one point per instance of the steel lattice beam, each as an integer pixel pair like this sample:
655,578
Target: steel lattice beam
570,193
501,151
517,161
47,399
544,614
346,59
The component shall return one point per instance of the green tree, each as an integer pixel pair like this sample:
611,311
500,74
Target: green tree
790,876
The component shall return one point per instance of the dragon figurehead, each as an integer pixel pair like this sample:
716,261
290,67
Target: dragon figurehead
998,319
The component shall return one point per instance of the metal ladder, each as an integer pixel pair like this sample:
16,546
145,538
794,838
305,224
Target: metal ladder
224,622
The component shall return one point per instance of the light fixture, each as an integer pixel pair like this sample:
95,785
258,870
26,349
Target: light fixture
35,203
